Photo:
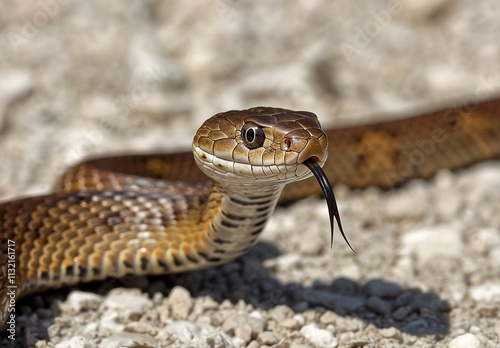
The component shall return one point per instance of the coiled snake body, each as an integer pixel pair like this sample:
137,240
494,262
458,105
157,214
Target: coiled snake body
154,214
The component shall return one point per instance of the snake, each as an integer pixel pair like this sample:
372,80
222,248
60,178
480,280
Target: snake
159,213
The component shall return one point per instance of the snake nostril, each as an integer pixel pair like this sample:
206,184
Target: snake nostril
287,144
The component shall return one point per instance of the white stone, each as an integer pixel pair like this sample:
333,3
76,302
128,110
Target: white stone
180,302
256,314
79,300
390,332
239,342
467,340
134,303
434,241
300,319
318,337
487,292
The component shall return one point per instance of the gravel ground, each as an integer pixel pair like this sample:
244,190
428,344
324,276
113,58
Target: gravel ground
82,78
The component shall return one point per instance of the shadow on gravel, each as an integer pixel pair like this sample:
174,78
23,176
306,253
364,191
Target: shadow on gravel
382,303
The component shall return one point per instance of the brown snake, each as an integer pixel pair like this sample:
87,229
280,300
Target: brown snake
155,214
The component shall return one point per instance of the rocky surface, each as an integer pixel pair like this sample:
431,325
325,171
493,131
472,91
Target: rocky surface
82,78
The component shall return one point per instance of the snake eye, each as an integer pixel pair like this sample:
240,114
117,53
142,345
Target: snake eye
253,135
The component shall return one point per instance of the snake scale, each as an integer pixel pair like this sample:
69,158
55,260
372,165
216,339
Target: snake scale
158,213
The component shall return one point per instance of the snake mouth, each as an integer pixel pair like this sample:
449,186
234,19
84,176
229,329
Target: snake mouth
315,168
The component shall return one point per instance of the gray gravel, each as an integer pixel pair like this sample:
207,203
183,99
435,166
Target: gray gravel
81,78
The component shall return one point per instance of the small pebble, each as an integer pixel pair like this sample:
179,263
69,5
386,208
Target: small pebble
281,312
53,330
318,337
488,292
467,340
255,320
328,318
268,337
132,301
288,323
180,303
79,300
244,331
254,344
390,332
300,319
238,342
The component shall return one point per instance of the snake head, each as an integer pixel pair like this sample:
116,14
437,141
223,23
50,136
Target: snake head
264,145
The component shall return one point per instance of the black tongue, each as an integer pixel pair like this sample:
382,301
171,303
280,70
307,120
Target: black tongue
329,196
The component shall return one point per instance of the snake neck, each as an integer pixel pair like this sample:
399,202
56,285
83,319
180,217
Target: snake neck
236,216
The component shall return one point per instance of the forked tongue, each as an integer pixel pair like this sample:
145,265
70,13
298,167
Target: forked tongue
329,196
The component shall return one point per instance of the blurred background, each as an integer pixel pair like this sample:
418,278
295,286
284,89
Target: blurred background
85,78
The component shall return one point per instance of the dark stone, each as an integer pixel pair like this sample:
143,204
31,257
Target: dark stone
345,286
382,289
379,306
